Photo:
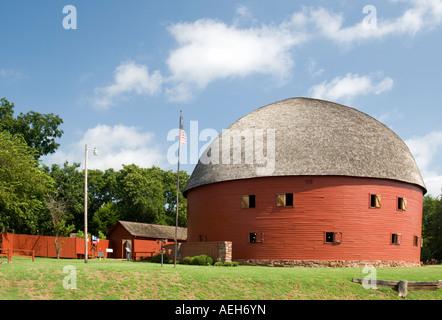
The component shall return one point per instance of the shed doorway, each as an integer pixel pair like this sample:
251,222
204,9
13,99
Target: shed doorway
127,249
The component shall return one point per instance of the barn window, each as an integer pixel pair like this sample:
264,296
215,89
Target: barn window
396,238
256,237
333,237
402,204
375,200
284,200
248,201
416,241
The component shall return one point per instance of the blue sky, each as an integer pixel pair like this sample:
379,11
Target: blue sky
121,77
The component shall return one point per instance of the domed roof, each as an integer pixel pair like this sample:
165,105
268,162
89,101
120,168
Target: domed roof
303,136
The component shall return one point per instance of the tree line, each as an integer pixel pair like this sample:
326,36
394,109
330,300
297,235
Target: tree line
49,200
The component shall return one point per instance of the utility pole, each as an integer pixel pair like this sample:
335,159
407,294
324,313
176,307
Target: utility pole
85,204
85,199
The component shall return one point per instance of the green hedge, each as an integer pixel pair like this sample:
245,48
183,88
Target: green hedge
201,260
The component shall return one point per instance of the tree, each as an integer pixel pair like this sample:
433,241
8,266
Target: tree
105,218
170,185
69,184
140,194
59,217
38,130
23,187
137,194
432,228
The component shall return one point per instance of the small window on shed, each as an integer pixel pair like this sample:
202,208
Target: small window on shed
284,200
256,237
402,204
333,237
396,238
375,200
248,201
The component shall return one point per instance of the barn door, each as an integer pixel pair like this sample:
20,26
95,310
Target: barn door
127,249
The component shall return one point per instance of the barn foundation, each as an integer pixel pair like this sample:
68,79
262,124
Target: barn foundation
326,263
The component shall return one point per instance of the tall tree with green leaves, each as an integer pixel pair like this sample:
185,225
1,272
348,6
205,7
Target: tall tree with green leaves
432,229
170,194
140,194
23,187
69,184
37,129
104,219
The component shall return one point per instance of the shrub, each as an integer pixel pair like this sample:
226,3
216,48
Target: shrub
157,259
186,260
227,264
235,263
218,263
201,260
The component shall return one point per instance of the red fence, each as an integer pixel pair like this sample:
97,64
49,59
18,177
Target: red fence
44,246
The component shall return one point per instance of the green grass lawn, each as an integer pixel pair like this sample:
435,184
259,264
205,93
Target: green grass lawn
126,280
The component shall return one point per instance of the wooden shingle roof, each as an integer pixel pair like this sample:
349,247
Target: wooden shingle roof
154,230
312,137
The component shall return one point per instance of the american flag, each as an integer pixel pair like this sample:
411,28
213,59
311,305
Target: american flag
182,133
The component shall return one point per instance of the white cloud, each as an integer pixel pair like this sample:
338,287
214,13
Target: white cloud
209,50
422,15
427,153
349,87
312,69
10,75
117,145
129,78
243,14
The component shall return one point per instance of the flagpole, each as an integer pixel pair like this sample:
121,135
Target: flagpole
178,188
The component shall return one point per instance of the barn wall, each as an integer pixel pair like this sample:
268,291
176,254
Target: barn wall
145,248
115,236
321,204
142,247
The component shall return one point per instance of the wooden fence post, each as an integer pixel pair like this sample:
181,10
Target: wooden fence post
402,288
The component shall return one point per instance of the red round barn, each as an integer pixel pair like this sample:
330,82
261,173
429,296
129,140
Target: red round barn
305,181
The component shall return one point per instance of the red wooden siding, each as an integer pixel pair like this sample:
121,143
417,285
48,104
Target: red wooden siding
147,248
320,204
115,240
44,245
142,247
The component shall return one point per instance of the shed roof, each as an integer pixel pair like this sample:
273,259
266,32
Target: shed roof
312,137
153,230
